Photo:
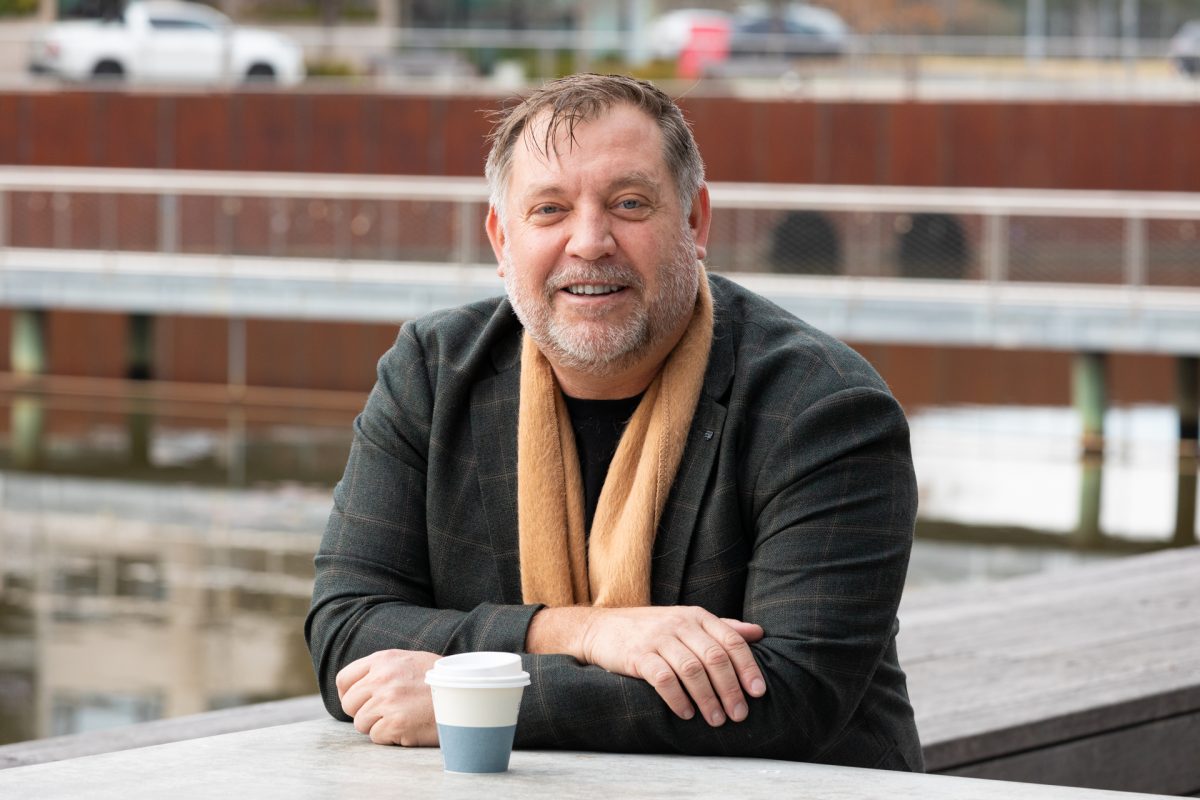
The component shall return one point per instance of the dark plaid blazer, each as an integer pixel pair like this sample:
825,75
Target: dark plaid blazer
793,508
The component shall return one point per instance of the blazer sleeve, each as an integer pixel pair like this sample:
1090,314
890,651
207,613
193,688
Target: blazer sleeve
833,510
372,589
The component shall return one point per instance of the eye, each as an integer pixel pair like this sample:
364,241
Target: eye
630,204
546,210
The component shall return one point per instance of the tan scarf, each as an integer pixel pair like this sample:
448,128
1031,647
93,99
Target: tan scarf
615,570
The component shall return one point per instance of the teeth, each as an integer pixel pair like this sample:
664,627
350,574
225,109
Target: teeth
593,289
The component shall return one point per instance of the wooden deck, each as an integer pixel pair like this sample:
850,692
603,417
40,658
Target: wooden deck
1087,677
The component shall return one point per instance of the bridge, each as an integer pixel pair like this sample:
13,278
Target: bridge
1083,271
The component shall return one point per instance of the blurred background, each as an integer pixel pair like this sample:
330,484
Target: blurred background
213,219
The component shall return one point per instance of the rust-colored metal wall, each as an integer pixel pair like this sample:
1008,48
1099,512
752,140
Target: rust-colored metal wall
1068,145
1142,146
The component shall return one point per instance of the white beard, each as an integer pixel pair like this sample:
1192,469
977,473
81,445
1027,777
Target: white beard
596,347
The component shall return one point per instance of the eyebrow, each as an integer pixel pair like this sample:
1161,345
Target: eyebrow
635,178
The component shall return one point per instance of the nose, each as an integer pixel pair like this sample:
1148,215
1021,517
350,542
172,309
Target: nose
591,235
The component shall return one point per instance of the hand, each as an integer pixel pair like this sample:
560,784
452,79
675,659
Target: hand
386,694
681,651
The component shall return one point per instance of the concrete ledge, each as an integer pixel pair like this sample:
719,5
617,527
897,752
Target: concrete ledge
194,726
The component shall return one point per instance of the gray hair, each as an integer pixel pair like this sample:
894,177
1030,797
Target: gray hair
582,98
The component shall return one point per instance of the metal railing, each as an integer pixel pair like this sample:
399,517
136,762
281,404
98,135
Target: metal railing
423,237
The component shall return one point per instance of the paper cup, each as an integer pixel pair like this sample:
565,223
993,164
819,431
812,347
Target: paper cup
476,699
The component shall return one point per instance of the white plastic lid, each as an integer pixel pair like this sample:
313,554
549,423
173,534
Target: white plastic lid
478,671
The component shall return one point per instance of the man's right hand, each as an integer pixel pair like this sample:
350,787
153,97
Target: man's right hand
686,653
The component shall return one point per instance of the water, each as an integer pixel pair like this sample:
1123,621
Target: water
157,559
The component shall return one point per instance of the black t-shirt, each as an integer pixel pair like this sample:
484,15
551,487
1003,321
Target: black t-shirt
598,426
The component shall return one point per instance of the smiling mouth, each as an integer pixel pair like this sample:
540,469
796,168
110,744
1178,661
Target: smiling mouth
592,289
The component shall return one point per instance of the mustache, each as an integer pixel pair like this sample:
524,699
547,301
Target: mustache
595,272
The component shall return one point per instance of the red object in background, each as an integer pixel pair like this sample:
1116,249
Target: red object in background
707,44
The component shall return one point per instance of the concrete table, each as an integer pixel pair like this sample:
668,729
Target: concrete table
327,759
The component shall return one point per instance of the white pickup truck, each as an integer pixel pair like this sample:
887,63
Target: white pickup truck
166,41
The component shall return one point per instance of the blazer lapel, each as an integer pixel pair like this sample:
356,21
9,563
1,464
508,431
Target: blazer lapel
673,541
494,406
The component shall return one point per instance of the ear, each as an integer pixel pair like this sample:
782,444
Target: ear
495,233
700,220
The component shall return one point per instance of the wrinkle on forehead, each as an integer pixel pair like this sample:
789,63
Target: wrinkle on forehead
633,178
552,128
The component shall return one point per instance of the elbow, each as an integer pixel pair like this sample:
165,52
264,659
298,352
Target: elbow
321,647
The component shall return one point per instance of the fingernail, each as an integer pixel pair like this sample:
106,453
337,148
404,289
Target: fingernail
757,687
688,714
739,712
717,718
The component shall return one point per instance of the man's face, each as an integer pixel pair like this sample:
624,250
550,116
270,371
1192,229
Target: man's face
597,253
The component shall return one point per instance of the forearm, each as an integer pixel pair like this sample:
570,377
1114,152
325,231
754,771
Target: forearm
558,631
341,630
572,706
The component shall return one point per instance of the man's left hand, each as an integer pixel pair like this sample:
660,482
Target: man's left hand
386,695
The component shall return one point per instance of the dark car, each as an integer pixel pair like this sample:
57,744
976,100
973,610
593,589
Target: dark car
1185,48
796,31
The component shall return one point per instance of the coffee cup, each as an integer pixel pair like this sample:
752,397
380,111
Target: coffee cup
476,698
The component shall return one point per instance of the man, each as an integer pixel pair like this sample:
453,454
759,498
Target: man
688,510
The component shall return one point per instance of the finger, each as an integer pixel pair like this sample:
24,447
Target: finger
366,718
384,731
747,630
749,673
718,666
351,673
354,699
694,676
658,673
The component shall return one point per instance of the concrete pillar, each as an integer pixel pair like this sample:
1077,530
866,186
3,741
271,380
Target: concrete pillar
27,421
140,367
1185,503
1087,531
1089,389
27,357
28,346
1187,403
140,351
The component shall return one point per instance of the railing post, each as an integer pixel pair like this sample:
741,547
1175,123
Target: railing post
466,235
995,247
60,204
168,223
1135,251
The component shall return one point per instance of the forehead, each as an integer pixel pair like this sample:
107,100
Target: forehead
622,137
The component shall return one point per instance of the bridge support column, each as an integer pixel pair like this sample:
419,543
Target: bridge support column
1091,479
1187,401
140,367
27,357
1089,389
